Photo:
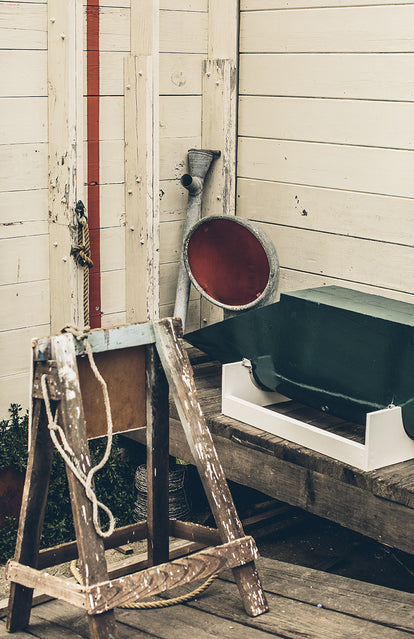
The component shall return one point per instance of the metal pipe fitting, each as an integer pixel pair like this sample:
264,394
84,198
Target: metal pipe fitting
199,162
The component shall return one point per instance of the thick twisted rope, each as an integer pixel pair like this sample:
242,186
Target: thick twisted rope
59,440
162,603
82,255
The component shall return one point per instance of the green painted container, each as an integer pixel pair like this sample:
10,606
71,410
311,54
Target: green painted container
336,349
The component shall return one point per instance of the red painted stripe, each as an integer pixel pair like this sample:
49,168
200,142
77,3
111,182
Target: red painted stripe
92,45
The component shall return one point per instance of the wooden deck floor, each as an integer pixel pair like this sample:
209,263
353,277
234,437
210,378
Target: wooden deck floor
304,603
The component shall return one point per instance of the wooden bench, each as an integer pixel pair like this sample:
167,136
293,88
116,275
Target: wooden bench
379,504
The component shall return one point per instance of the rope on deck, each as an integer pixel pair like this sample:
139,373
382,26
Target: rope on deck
147,605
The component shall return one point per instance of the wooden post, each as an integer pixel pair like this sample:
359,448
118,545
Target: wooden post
157,459
65,105
182,387
90,546
31,515
219,125
141,164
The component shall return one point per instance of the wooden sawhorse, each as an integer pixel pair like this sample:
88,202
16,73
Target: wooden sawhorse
141,362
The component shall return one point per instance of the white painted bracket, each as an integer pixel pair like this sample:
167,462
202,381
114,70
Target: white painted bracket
386,441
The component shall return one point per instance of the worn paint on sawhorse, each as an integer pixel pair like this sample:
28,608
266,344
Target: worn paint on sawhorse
166,365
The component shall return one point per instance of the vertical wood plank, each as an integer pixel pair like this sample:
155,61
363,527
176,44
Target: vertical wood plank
142,163
219,132
139,195
182,387
65,148
223,29
157,459
90,546
219,125
31,515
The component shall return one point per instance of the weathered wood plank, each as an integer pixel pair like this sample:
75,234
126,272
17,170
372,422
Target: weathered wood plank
308,480
369,75
33,157
113,293
352,259
15,80
31,515
157,458
101,340
23,26
65,157
92,562
349,596
357,214
24,305
180,378
371,170
184,5
348,29
157,579
180,621
254,5
23,120
290,617
180,116
141,212
180,73
68,551
19,210
223,29
357,122
16,262
183,32
48,584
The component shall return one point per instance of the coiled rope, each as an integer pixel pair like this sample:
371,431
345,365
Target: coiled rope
82,254
59,439
162,603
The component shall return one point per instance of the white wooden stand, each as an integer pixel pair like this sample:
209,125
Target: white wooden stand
386,441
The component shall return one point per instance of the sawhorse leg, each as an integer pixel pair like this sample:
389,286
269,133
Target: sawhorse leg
180,377
90,545
31,515
157,459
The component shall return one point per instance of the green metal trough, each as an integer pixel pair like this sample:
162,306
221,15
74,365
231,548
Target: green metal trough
339,350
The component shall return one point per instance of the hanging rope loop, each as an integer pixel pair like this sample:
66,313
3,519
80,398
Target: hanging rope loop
58,437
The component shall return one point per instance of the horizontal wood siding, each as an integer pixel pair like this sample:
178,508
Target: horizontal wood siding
24,252
183,47
326,135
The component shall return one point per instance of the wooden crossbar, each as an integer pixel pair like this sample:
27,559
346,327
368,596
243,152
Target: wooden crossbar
99,598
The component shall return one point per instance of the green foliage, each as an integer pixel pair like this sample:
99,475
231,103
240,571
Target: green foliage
114,483
13,440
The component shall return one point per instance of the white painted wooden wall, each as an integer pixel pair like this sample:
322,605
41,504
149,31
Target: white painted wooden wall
326,139
325,142
24,244
24,240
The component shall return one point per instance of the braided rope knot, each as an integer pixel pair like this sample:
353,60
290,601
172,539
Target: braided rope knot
82,255
58,437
